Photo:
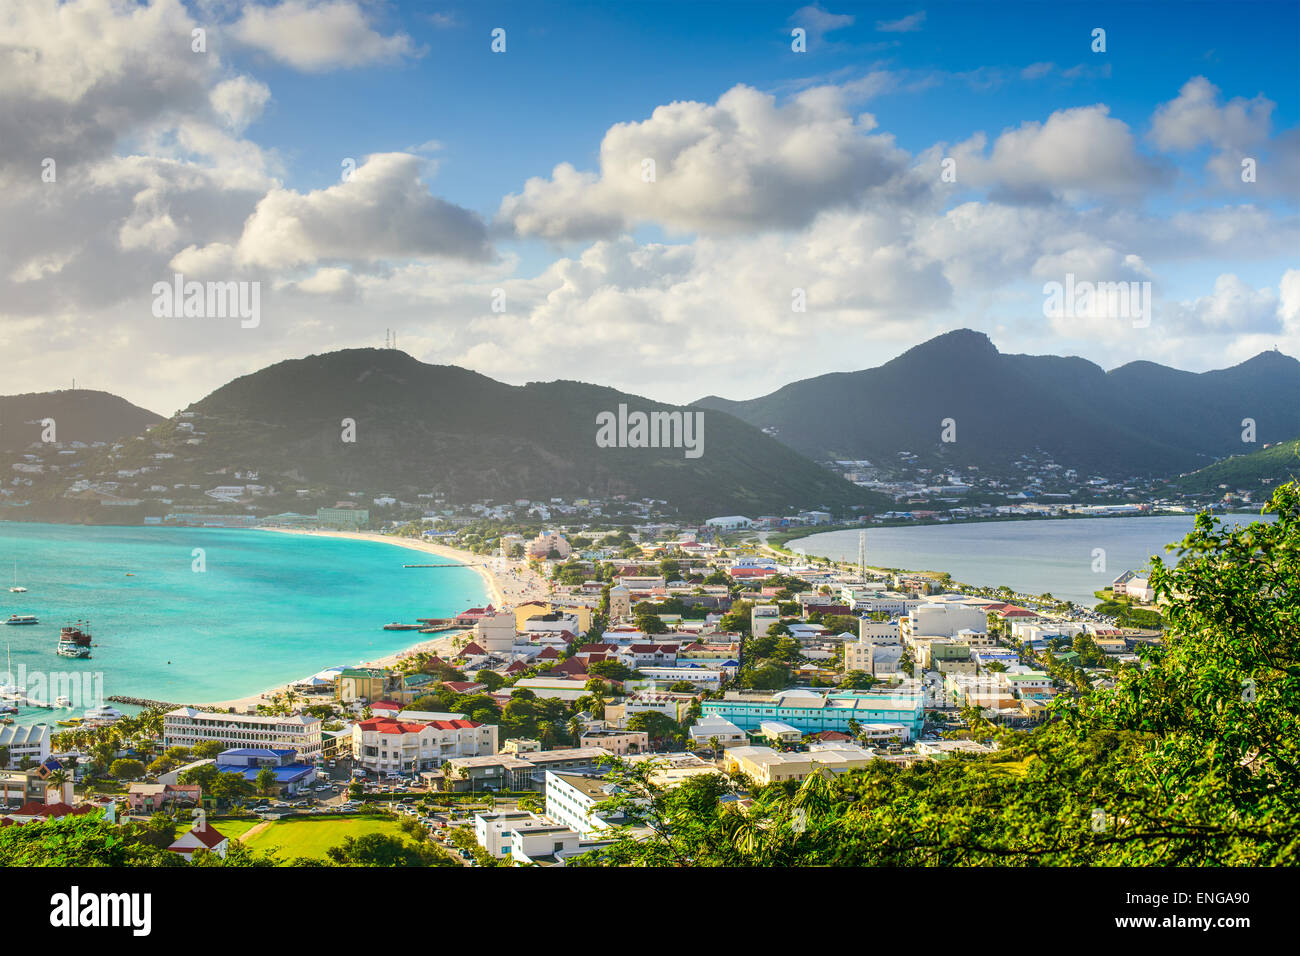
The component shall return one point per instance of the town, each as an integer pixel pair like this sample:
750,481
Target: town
495,742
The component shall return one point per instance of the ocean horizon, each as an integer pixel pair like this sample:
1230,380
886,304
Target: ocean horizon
210,614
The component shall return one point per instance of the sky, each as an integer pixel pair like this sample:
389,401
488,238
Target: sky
676,199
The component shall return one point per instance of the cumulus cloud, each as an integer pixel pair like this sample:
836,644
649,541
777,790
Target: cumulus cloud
745,163
1074,153
1198,116
318,35
1232,306
239,101
382,211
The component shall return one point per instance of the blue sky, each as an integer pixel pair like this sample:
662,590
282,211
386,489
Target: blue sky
777,171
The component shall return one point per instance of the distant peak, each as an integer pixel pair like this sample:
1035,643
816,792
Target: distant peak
959,342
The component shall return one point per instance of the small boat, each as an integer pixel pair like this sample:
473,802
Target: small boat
63,701
399,626
73,641
104,713
70,722
17,588
21,619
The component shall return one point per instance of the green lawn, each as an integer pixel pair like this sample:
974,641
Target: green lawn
234,829
312,836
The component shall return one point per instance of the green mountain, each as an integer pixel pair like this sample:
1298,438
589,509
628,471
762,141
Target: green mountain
1139,419
426,428
80,415
1267,467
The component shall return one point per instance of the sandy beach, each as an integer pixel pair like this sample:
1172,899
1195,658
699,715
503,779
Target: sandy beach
509,583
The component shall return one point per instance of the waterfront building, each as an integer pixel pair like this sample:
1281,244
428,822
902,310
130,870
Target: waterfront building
26,743
189,727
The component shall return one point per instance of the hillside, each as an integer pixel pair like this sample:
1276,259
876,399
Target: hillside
1139,419
80,415
425,428
1265,468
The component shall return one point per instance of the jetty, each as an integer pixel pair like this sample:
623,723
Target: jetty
143,702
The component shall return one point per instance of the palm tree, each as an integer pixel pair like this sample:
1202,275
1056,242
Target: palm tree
747,831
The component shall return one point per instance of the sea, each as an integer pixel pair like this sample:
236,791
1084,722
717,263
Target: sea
1069,558
195,615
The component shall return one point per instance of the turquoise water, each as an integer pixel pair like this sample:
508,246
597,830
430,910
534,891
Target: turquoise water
1037,557
268,609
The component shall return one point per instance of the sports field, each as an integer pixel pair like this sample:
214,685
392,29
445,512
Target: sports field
312,836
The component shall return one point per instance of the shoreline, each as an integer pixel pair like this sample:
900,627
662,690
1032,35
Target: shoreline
522,585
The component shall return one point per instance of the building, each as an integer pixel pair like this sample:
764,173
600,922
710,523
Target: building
942,620
571,801
148,798
342,519
495,633
360,684
188,727
764,765
779,732
546,542
619,742
26,743
291,775
729,523
200,836
710,726
525,771
810,712
387,746
762,617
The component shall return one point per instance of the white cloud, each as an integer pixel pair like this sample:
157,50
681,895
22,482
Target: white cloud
239,101
382,211
1197,116
743,164
908,24
1076,152
318,35
817,22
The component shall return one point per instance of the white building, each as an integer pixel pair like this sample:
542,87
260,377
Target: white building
942,620
383,745
571,799
26,743
729,523
188,727
728,734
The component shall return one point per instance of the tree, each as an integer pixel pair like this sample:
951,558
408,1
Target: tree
381,849
126,769
265,781
857,680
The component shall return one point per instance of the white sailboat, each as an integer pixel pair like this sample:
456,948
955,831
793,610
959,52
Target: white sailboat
17,588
